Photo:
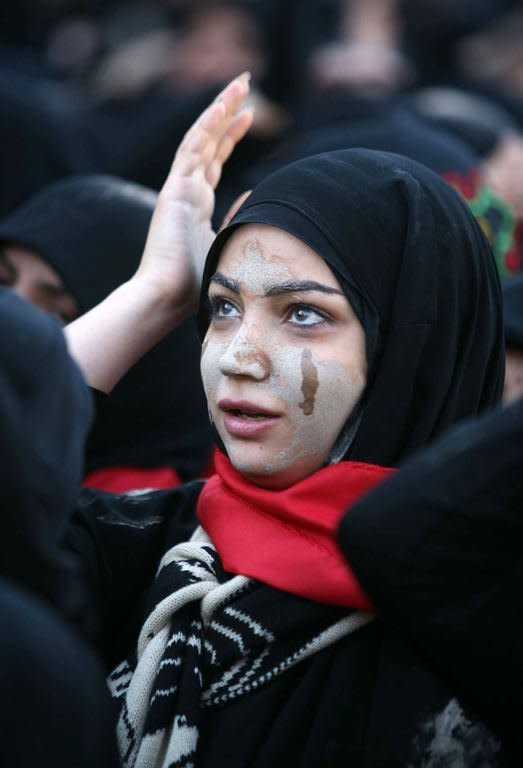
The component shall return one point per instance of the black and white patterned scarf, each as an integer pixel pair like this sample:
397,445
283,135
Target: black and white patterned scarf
209,638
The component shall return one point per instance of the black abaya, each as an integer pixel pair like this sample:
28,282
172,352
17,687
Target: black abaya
55,707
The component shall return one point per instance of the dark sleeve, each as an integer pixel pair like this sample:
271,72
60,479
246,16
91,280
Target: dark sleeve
439,549
118,540
112,427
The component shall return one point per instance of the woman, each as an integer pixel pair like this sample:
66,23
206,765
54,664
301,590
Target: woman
354,314
64,251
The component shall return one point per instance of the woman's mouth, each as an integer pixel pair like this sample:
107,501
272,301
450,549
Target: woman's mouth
245,419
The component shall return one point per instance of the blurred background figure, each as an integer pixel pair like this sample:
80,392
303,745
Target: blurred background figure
64,251
91,86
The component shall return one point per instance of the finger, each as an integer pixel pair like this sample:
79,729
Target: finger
213,150
201,149
235,134
216,117
208,124
235,93
226,146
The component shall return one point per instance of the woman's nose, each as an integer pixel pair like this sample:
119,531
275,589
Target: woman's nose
246,356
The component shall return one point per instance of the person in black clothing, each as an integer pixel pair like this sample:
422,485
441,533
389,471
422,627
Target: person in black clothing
438,538
339,289
65,250
55,707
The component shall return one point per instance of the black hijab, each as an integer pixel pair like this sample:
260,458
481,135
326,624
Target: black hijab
419,274
91,230
45,413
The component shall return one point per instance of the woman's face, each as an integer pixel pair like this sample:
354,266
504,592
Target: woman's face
283,361
29,276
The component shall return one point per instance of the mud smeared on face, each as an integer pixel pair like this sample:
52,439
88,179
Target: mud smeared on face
257,268
251,356
259,357
309,383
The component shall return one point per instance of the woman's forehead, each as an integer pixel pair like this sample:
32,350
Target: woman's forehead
260,253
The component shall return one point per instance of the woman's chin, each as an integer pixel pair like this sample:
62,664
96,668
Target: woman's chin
265,474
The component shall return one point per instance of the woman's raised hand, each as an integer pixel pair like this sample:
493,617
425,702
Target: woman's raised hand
109,339
181,232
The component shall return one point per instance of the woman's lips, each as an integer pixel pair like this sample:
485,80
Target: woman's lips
245,419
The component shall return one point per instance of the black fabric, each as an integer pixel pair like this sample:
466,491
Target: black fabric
91,230
45,135
119,540
345,121
157,414
420,275
399,132
208,640
481,139
363,701
439,549
55,709
45,412
513,311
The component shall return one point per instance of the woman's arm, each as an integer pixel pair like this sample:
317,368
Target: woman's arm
109,339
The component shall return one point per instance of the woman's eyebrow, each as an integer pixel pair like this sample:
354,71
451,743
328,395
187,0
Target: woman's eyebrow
225,282
300,285
291,286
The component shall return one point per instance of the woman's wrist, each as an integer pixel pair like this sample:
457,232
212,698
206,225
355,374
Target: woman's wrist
157,296
138,314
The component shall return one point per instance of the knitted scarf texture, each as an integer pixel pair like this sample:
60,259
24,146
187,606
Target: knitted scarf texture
207,639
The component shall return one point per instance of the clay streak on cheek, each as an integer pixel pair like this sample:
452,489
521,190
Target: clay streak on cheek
310,382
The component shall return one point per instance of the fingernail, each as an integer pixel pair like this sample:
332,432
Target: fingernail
245,77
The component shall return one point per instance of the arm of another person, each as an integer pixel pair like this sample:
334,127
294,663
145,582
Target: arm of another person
109,339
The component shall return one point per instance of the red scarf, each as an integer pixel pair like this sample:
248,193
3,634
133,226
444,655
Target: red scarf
287,539
122,479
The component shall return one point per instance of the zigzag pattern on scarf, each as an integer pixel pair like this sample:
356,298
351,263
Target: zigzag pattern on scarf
209,638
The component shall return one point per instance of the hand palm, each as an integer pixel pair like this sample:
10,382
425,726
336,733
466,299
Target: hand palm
181,232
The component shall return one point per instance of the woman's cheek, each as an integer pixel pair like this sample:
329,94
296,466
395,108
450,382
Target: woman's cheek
212,352
321,404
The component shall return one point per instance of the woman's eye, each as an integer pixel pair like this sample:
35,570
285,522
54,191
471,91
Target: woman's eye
302,315
223,308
